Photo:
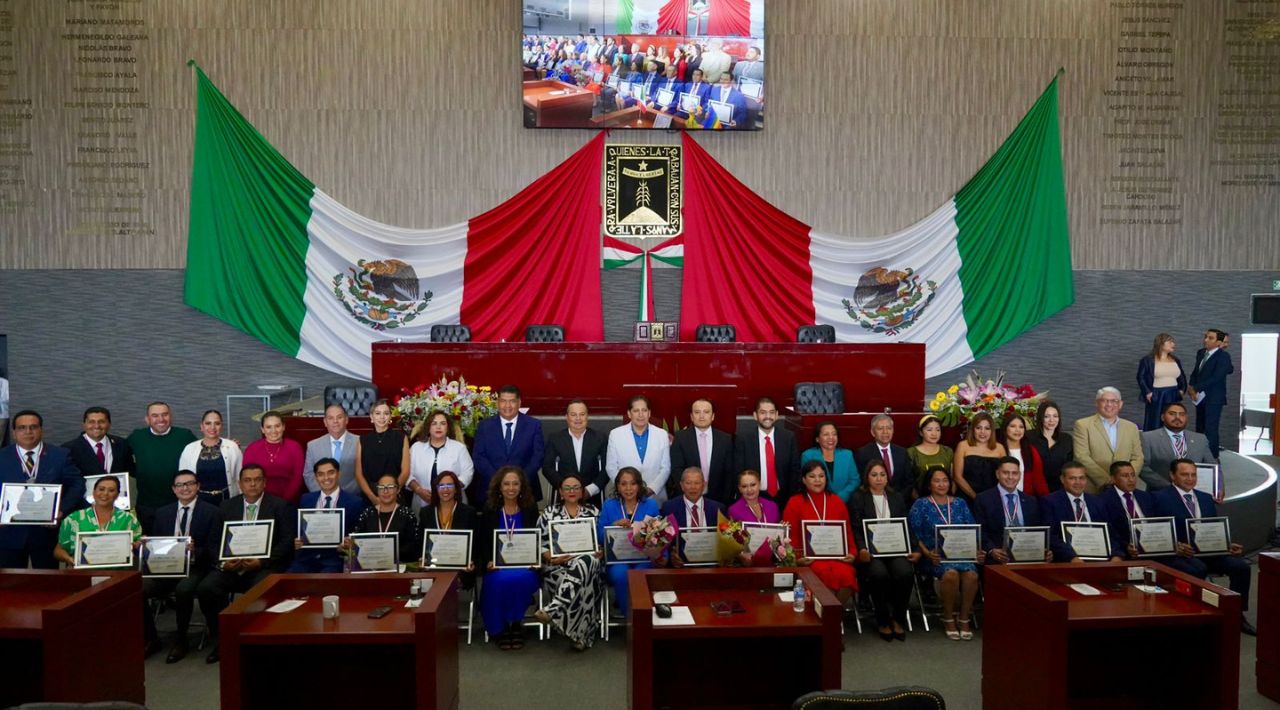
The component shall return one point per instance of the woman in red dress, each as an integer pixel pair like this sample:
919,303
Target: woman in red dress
816,503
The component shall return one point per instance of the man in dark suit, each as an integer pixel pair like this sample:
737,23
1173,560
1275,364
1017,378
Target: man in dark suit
30,460
669,83
708,448
188,516
232,576
508,439
1171,441
1005,506
692,509
772,451
1071,504
1182,502
1124,502
697,88
579,450
331,495
894,457
1207,385
726,92
97,450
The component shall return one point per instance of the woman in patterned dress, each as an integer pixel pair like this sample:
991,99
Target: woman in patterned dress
955,579
102,516
572,582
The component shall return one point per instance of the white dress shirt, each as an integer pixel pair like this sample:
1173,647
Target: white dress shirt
106,450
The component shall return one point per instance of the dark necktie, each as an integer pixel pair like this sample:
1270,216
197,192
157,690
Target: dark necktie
436,461
182,524
1191,503
1179,445
1013,508
1128,504
1079,510
888,461
31,464
507,438
695,520
328,501
102,457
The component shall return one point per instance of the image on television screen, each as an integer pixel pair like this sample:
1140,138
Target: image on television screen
665,64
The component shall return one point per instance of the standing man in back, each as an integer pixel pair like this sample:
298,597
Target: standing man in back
1207,385
772,451
156,450
708,448
510,438
97,451
337,444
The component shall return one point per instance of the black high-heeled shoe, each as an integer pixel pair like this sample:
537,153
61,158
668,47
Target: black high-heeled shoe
885,636
900,635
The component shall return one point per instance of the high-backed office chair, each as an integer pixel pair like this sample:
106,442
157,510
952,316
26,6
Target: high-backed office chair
816,334
544,334
356,401
715,333
819,398
450,333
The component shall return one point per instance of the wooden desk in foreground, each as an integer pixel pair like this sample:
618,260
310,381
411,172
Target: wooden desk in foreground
50,620
764,658
1123,648
1268,659
281,660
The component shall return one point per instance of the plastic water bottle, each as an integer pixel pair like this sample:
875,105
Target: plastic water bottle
797,602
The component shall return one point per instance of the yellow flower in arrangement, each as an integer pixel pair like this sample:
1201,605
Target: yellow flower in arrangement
934,405
941,396
953,389
961,401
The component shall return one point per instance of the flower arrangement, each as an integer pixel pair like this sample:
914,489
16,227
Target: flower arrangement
960,402
467,404
783,553
732,540
653,535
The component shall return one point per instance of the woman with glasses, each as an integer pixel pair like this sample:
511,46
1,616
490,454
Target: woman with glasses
216,461
432,453
447,511
631,503
102,516
386,515
572,581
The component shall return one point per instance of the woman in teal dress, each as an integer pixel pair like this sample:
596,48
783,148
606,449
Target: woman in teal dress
842,472
956,580
102,516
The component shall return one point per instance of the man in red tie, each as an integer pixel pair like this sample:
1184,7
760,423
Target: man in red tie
893,456
97,451
693,509
772,451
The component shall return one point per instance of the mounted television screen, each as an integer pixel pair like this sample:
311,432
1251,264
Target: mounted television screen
665,64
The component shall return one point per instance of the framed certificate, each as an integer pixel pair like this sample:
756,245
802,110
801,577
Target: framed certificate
1153,537
246,539
521,547
572,536
699,547
760,532
1089,541
597,76
1209,479
887,537
164,557
111,548
824,539
753,89
1026,544
723,111
958,543
446,549
122,501
30,503
665,97
1209,536
613,80
321,527
689,102
375,552
662,120
618,548
637,91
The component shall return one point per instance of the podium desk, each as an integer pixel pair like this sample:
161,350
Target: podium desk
1122,648
52,620
1268,658
554,104
718,662
275,660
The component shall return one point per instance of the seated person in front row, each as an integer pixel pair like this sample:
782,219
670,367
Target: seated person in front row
1005,506
231,576
632,503
386,515
102,516
507,591
572,583
194,517
816,503
447,511
889,579
329,496
1182,501
957,581
1072,504
1124,502
692,509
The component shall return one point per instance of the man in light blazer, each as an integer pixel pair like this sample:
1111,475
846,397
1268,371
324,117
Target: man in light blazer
643,446
1102,438
1208,385
338,444
1159,446
716,462
580,450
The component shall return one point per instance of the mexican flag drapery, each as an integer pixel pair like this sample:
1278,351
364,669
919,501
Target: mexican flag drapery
984,267
276,257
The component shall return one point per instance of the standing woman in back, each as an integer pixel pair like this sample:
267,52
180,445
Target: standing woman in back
381,451
974,469
1161,379
1052,443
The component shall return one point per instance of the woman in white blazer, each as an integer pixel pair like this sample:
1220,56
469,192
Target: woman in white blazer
655,465
434,450
214,460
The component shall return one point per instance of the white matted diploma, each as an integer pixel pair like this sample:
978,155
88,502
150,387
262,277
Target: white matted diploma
751,88
689,102
572,536
824,539
246,539
760,532
446,549
1153,537
613,80
1209,479
618,548
375,552
723,111
520,547
637,92
1026,543
1089,541
665,97
699,547
958,543
122,500
109,548
1209,536
887,537
164,557
321,527
662,120
30,503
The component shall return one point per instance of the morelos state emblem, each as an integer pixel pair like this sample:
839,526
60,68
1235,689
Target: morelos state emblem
381,294
887,301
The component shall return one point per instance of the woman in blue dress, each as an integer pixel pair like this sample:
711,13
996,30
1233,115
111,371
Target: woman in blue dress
631,503
956,580
507,592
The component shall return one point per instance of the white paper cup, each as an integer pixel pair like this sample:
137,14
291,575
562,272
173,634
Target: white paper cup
330,606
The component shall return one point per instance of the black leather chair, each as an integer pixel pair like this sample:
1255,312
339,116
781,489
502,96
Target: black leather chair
450,333
722,333
819,398
356,401
910,697
544,334
816,334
